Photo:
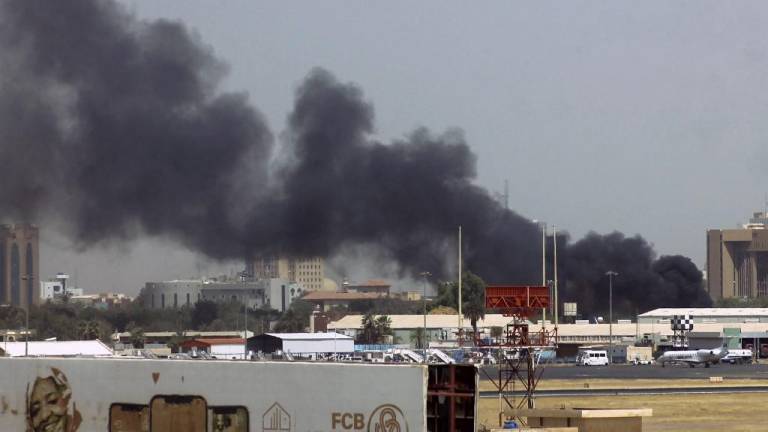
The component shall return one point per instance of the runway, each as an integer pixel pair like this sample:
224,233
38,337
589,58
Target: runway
635,391
754,371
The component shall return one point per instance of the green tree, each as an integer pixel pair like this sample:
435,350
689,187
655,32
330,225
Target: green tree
473,298
204,313
383,328
88,329
296,318
137,335
417,337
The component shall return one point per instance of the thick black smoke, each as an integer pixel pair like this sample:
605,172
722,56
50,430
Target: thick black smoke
116,127
643,282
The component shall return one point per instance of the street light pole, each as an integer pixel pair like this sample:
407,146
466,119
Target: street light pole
245,314
611,275
425,275
30,279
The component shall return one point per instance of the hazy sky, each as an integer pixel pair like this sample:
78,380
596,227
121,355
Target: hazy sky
643,117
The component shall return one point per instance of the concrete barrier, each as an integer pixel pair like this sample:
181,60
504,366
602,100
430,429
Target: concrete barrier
555,429
586,419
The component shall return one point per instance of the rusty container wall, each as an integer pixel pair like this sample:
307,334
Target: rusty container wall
128,394
452,395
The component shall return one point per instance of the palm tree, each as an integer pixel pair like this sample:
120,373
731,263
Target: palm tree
473,303
368,323
383,328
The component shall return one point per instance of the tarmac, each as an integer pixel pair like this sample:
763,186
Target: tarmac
624,371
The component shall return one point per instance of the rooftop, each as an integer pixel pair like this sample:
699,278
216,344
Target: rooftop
704,312
309,336
340,296
93,348
215,341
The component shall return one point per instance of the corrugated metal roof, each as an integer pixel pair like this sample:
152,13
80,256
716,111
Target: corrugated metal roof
705,312
214,341
309,336
93,348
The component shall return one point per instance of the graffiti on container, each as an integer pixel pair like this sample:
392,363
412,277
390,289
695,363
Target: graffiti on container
50,407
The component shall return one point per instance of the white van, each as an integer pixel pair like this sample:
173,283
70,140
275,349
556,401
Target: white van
592,358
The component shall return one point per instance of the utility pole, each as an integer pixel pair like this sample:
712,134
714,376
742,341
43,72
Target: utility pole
30,279
243,275
611,274
554,250
461,317
425,275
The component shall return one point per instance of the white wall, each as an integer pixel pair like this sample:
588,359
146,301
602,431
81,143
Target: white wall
319,346
301,389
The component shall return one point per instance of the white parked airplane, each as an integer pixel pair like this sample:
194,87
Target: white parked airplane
694,357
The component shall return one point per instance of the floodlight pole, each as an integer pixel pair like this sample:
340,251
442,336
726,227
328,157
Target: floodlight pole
425,275
610,275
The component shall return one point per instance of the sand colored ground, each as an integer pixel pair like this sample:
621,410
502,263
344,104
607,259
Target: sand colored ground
681,413
570,384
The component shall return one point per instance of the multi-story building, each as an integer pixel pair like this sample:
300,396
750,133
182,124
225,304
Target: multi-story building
275,293
309,273
737,260
19,265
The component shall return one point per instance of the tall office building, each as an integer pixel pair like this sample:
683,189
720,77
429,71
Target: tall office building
19,265
737,260
309,273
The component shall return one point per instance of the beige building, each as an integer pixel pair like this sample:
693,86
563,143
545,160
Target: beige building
307,272
737,260
19,265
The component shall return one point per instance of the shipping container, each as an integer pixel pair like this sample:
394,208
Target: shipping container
138,395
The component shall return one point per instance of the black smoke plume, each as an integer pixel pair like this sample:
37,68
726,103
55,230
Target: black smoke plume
115,127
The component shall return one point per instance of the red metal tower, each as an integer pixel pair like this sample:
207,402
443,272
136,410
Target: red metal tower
521,346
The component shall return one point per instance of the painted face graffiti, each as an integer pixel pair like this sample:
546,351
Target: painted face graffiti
49,405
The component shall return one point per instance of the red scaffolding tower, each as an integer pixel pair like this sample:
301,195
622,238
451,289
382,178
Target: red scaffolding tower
520,346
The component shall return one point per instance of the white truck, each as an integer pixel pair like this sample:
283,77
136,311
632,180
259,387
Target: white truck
592,358
738,356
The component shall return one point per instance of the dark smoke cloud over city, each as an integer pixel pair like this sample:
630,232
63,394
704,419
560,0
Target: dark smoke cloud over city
116,128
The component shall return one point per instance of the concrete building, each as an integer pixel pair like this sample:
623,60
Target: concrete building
275,293
441,329
19,265
370,286
309,273
101,301
326,301
737,260
53,289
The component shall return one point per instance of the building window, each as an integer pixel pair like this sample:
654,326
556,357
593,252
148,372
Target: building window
153,301
162,301
175,300
187,299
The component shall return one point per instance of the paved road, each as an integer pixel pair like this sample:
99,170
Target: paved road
636,391
647,372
